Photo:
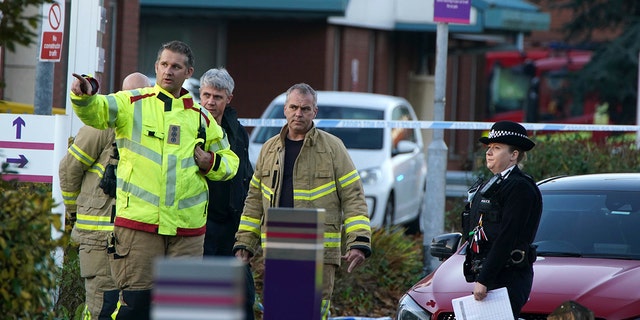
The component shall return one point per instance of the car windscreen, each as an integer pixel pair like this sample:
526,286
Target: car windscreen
353,138
590,224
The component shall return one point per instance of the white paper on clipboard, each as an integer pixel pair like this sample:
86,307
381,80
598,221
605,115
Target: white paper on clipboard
495,306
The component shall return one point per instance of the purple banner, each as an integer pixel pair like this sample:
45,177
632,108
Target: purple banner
453,11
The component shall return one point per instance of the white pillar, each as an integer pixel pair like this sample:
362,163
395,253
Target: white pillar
84,46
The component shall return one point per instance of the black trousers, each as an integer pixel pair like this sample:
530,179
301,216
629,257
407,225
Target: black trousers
220,238
518,282
218,241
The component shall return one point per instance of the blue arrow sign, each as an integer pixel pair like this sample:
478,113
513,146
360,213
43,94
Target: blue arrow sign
22,161
18,123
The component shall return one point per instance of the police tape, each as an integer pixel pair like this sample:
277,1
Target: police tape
448,125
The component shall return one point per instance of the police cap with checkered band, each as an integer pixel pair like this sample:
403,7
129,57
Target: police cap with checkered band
511,133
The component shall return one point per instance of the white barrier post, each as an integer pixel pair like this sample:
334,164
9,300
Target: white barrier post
196,288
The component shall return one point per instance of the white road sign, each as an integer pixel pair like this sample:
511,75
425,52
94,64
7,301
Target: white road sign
27,146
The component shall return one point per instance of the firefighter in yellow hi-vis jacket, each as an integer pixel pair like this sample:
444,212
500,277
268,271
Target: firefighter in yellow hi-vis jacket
169,146
89,198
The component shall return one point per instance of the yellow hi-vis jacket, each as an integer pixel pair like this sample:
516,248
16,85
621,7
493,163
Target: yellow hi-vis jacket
324,176
80,172
160,187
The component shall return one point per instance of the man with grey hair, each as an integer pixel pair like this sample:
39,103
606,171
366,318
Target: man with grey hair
283,180
216,92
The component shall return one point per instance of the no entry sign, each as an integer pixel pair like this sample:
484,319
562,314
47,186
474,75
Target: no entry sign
52,31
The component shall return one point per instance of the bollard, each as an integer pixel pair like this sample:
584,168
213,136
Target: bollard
293,253
196,288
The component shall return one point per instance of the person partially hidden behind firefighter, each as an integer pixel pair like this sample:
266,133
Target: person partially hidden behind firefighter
501,219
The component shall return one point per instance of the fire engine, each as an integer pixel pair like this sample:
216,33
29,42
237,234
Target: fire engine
535,86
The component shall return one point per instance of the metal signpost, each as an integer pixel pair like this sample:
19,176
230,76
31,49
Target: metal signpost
51,35
445,11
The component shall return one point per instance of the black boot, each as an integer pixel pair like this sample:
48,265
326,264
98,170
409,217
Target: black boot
109,304
136,305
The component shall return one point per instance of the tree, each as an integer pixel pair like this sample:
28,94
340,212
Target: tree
612,72
15,26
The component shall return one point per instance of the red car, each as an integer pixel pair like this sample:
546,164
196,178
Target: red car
588,246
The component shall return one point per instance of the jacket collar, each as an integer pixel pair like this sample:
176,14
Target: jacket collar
184,93
310,138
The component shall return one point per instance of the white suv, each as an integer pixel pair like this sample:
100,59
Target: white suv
391,161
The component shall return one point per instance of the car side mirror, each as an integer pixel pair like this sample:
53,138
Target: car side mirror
405,146
445,245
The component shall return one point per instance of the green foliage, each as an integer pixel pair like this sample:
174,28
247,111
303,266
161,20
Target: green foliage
27,264
15,26
71,285
608,75
612,72
374,288
580,156
591,16
452,222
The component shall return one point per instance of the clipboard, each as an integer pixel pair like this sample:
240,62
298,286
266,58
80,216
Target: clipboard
495,306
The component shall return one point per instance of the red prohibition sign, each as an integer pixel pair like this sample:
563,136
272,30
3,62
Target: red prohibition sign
55,13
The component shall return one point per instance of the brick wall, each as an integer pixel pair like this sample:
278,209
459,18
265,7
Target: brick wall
127,39
270,57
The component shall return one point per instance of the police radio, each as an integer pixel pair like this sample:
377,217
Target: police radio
109,180
202,134
492,186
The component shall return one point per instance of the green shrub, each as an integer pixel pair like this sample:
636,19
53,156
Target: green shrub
374,288
578,156
70,285
27,264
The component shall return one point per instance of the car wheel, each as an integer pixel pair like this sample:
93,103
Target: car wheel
389,213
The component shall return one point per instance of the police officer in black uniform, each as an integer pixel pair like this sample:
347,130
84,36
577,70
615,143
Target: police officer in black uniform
502,218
